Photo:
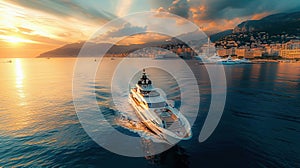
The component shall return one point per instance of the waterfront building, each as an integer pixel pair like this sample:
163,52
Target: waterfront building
291,50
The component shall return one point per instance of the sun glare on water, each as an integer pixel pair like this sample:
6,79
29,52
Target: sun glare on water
19,74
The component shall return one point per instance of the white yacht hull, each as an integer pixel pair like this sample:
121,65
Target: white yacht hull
163,133
157,114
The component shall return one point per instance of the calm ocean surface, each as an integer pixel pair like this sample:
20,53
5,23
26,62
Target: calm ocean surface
260,126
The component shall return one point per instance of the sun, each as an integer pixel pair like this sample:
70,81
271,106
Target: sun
15,39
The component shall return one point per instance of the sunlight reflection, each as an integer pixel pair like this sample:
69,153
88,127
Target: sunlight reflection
19,79
19,74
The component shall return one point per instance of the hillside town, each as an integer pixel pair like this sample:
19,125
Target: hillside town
259,45
276,47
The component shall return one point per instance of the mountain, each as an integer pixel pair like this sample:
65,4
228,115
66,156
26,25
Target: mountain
94,49
273,24
217,36
71,50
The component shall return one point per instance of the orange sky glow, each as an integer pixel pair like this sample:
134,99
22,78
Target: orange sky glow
29,29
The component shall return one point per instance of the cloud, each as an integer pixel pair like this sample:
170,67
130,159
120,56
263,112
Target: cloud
260,15
129,34
53,22
24,30
219,15
67,8
28,21
29,35
159,3
230,9
43,30
143,38
180,8
125,31
177,7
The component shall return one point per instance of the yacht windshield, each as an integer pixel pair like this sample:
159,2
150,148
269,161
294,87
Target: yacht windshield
157,105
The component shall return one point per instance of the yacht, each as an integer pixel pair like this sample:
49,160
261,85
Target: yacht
243,61
159,116
227,61
214,59
208,60
160,56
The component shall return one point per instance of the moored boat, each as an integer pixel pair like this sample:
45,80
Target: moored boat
227,61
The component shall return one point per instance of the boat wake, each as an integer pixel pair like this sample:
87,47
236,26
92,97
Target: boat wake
131,123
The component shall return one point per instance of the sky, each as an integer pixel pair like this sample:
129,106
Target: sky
29,28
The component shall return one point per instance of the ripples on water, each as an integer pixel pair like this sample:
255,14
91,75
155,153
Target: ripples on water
260,126
267,112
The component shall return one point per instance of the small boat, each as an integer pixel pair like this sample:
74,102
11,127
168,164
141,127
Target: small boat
243,61
202,58
213,59
284,61
227,61
159,56
208,60
157,114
